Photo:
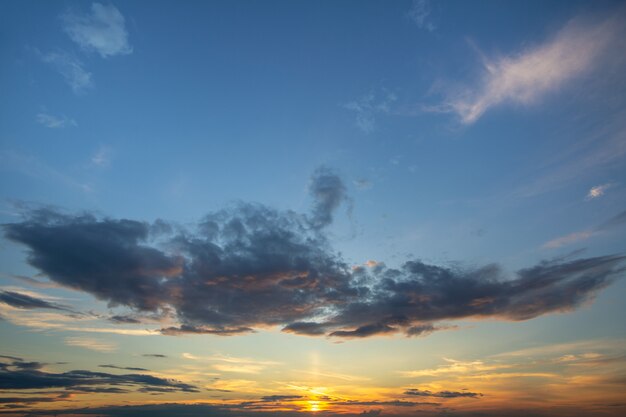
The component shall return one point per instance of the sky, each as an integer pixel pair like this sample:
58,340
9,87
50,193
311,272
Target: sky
287,208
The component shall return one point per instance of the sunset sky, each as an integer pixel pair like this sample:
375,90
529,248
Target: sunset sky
288,208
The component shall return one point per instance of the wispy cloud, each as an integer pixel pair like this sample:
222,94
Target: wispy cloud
33,167
598,191
55,122
568,239
592,151
454,367
579,236
102,157
233,364
369,106
420,13
102,31
527,76
71,69
91,344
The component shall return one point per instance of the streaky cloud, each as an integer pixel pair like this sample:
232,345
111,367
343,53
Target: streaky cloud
71,69
14,376
442,394
19,300
527,76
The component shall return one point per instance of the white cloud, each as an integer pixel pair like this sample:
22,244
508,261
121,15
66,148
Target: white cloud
568,239
103,31
598,191
525,77
420,14
102,157
454,367
367,107
71,69
33,167
55,122
91,344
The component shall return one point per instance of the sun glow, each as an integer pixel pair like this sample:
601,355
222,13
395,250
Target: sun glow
314,406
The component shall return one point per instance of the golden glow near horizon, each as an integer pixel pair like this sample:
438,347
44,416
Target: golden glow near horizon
314,406
506,379
318,208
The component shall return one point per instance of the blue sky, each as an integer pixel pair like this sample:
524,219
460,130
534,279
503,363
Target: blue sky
458,134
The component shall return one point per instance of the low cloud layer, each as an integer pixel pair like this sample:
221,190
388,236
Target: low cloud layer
19,300
442,394
252,266
19,375
71,69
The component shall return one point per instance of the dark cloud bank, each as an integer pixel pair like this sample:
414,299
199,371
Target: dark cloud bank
252,266
17,375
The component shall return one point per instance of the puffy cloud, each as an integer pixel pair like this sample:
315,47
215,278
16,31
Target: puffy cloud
598,191
328,191
251,267
102,31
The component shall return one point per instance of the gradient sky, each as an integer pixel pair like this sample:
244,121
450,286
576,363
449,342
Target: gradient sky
335,207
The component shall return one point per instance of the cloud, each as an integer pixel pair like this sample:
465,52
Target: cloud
275,398
442,394
568,239
368,107
328,192
420,15
153,355
455,367
251,266
241,369
527,76
71,69
91,344
19,300
14,377
124,319
614,221
55,122
30,400
233,364
126,368
102,31
576,237
102,157
33,167
598,191
393,403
